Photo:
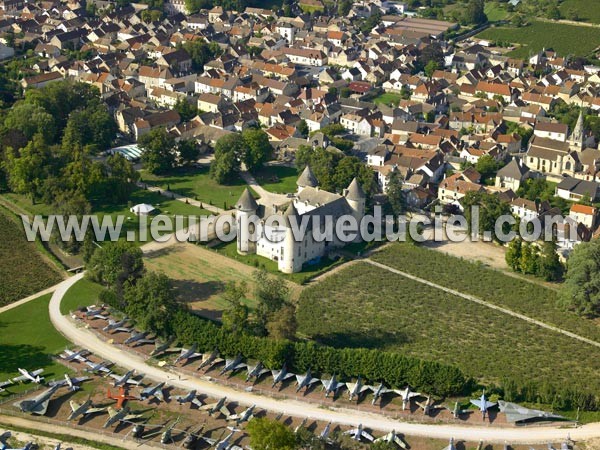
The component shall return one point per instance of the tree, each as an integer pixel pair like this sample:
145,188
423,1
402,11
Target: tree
201,52
487,166
31,119
302,128
188,151
513,254
490,209
235,317
116,263
186,110
581,289
151,301
229,150
282,323
272,294
266,434
158,150
529,263
430,68
257,148
344,7
120,181
550,268
474,13
394,193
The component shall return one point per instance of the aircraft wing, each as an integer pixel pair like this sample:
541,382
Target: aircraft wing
197,402
225,411
78,380
134,382
399,442
115,376
352,432
123,329
159,395
367,436
5,383
74,405
129,417
351,387
94,410
476,403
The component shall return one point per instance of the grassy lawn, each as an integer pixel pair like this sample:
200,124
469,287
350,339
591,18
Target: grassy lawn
388,98
495,11
196,183
24,269
584,9
362,305
565,39
278,179
82,293
28,341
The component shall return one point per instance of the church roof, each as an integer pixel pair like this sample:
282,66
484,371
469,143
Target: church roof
355,191
246,202
307,178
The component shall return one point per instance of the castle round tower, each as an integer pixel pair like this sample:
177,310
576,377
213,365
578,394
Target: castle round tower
306,179
246,207
356,198
290,261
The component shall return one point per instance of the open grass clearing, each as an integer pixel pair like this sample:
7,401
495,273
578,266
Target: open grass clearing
388,98
530,299
495,11
587,10
363,306
278,179
565,39
82,293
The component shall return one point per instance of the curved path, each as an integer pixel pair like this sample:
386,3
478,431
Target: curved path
85,338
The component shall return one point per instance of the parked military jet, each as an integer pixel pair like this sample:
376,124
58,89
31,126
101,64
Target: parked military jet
4,384
98,367
190,397
122,415
223,444
71,382
219,407
165,347
95,313
380,391
192,437
256,371
451,445
138,338
355,389
4,437
39,404
70,355
114,326
210,359
359,433
154,391
231,365
26,375
428,406
121,380
406,395
305,381
187,354
457,412
83,409
392,438
280,375
331,385
324,436
483,404
244,416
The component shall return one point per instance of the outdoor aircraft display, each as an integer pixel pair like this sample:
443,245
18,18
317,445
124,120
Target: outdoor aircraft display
98,367
392,438
209,360
218,406
359,433
187,354
305,381
244,416
122,415
331,386
256,372
121,380
380,391
428,406
70,355
324,436
223,444
138,338
39,404
33,376
406,395
71,382
231,365
83,409
457,412
165,347
4,437
451,445
117,326
190,397
4,384
355,389
280,375
95,313
154,391
483,404
121,397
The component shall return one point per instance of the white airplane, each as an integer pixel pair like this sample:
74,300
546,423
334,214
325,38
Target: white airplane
324,436
154,391
280,375
121,380
71,382
244,416
4,437
359,433
83,409
406,395
305,381
70,355
4,384
331,385
483,404
98,367
114,326
355,389
95,313
218,406
33,376
223,444
187,354
256,371
392,438
191,398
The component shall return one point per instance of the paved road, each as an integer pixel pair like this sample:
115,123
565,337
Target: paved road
85,338
479,301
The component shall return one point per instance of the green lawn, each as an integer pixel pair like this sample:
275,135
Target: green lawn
587,10
196,183
388,98
24,269
82,293
364,306
565,39
278,179
28,341
495,11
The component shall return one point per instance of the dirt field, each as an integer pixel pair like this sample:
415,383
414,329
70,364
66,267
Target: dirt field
200,275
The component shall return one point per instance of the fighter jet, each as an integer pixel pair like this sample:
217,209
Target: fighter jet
483,404
380,391
406,395
223,444
98,367
280,375
219,407
450,446
95,313
3,384
114,326
301,425
187,354
39,404
154,391
428,406
29,376
392,438
359,433
122,415
355,389
190,397
4,437
71,382
138,339
167,435
70,355
83,410
244,416
121,380
331,385
305,381
256,371
192,437
165,347
231,365
209,360
324,436
457,412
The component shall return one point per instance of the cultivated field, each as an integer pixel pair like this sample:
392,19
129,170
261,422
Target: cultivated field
530,299
565,39
363,306
586,10
24,269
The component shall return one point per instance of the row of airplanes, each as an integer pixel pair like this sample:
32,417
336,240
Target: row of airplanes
4,437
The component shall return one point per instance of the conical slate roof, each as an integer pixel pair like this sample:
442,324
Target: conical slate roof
307,178
290,212
246,202
355,191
